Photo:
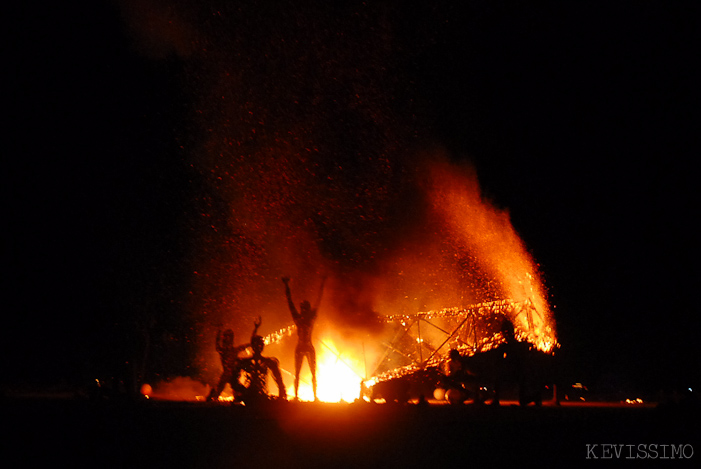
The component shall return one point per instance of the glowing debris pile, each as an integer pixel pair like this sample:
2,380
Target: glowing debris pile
421,341
470,330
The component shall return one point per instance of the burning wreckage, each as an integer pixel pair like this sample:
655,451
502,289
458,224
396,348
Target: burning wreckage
484,352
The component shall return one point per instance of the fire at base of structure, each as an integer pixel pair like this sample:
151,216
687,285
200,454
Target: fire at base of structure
423,340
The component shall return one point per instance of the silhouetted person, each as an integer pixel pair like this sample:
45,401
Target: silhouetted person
512,356
304,320
229,355
256,369
459,376
455,367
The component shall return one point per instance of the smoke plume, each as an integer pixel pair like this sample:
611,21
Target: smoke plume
311,162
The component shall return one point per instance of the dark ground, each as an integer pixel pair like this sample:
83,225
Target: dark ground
167,434
579,118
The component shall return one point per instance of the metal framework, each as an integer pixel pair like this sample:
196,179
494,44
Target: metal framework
471,330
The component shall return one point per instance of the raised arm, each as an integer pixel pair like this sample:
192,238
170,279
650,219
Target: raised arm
321,292
293,310
256,325
242,347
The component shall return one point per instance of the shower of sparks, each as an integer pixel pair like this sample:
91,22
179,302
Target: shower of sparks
304,147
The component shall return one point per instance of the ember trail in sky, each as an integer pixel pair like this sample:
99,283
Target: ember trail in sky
312,161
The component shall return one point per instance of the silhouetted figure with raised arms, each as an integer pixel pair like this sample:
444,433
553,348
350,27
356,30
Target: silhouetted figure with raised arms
229,355
256,369
304,320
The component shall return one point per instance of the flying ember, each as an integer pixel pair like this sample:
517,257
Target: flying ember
377,325
309,162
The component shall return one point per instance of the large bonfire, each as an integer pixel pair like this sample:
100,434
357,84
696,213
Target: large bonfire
474,239
309,159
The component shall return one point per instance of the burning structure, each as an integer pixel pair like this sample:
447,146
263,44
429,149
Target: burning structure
309,160
369,328
471,331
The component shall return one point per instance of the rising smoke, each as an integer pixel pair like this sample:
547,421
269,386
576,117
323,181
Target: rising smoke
310,161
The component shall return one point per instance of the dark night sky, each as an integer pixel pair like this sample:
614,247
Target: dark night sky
578,119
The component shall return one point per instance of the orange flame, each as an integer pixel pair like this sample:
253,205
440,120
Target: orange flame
461,251
479,228
338,375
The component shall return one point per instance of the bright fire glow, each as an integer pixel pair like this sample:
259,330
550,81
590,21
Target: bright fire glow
487,232
460,251
338,375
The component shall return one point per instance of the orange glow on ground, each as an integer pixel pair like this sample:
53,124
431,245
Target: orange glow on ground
338,375
457,251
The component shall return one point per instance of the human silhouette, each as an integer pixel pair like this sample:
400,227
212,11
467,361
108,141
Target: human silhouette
459,376
229,355
256,369
304,320
512,356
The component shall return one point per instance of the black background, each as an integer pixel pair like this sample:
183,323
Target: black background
578,118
